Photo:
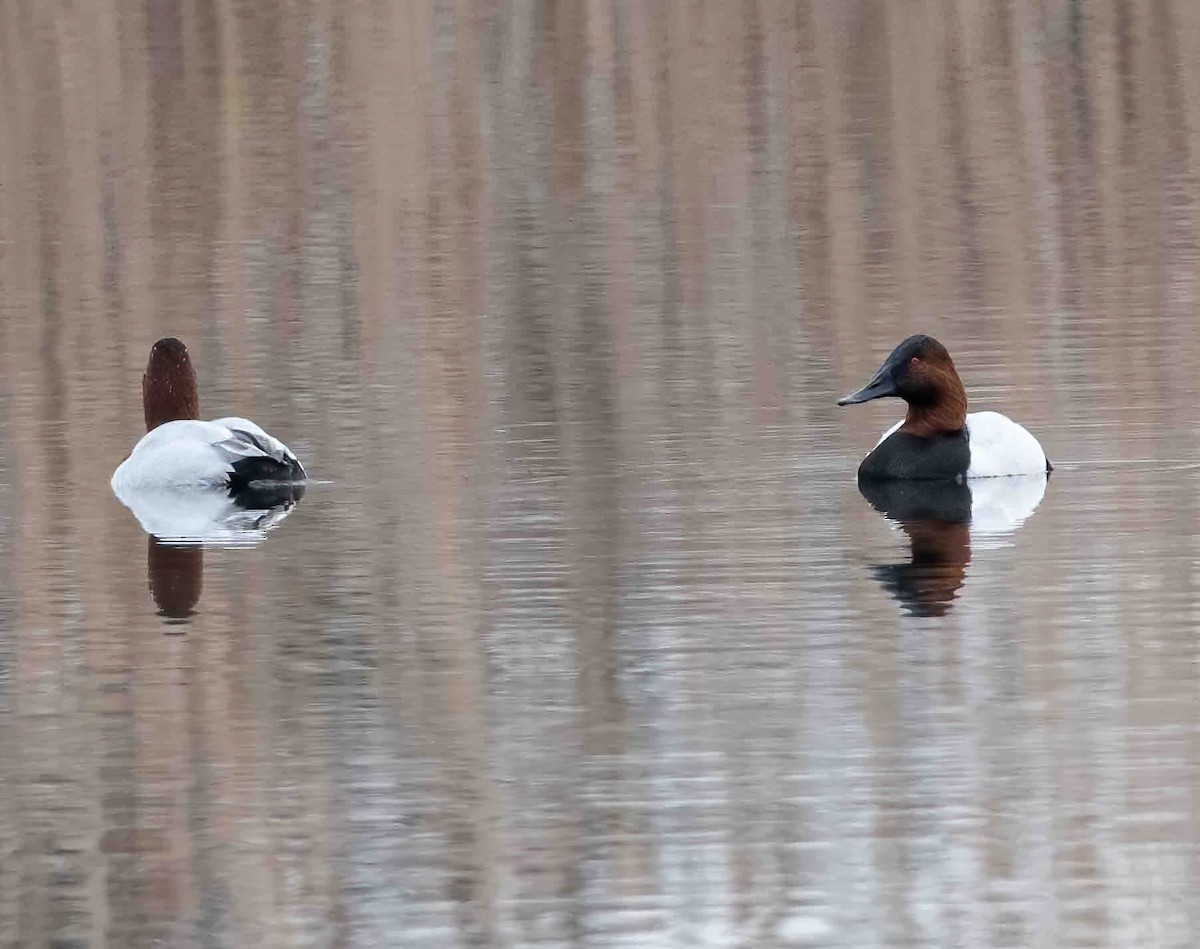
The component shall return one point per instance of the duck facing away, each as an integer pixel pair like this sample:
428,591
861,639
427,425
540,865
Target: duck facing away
938,440
180,450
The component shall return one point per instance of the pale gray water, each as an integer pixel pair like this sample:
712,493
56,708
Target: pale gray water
586,636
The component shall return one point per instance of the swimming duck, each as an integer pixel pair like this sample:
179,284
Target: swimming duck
179,449
938,440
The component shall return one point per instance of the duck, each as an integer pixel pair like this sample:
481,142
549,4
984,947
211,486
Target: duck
937,440
179,450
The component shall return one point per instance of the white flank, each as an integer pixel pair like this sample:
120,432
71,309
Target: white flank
1000,447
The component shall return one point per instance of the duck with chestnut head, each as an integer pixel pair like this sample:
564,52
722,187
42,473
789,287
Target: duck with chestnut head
181,450
937,440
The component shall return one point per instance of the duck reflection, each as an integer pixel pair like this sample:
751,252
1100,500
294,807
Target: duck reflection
176,578
212,516
181,522
942,520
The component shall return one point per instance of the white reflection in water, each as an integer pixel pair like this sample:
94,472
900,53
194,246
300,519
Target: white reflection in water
211,516
1001,505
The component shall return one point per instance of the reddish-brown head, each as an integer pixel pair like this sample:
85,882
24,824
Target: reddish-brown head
921,372
169,385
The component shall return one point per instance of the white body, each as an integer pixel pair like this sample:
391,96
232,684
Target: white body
190,452
200,515
999,447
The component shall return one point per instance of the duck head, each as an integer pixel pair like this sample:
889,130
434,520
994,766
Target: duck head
169,385
921,372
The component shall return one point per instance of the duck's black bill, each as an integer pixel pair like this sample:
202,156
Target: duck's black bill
879,387
883,383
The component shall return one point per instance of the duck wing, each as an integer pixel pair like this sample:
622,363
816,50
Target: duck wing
253,455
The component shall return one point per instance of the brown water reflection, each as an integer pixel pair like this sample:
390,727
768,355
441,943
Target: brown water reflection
176,577
937,520
582,644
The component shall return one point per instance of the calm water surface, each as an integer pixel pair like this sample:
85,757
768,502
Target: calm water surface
585,635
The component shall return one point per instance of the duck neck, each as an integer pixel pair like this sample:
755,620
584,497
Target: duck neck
170,396
945,414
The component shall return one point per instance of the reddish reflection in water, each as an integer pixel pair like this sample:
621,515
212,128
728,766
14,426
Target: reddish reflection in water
176,577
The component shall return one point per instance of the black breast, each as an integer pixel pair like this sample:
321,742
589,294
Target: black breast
904,457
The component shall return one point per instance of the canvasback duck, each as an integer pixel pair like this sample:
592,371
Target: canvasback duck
180,450
938,440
